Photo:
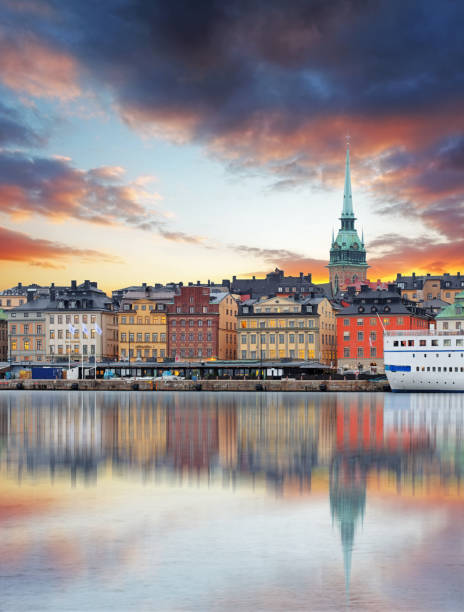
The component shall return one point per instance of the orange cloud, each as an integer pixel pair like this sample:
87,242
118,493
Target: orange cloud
19,247
28,65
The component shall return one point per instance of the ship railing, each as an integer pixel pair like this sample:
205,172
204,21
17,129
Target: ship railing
423,332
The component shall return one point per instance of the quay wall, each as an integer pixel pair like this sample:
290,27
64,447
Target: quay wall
194,385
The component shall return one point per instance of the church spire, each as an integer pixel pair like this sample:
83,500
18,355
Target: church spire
347,197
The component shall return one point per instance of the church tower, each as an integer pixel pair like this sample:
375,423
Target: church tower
347,253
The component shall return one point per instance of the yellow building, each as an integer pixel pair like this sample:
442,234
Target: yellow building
143,329
285,328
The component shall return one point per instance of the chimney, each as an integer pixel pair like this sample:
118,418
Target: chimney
94,284
86,284
364,288
234,278
352,290
30,296
414,275
73,284
52,286
198,283
459,274
301,275
20,285
52,294
144,285
254,278
398,276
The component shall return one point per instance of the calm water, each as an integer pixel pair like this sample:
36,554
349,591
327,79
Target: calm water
251,501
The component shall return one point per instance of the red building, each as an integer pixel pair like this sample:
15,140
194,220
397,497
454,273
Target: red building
360,326
202,325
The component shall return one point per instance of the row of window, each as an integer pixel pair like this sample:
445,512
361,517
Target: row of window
149,307
146,353
360,336
434,342
27,344
457,324
28,328
439,369
7,302
191,337
76,319
253,323
193,309
139,337
360,352
142,320
65,333
280,354
191,322
66,349
375,320
279,338
191,352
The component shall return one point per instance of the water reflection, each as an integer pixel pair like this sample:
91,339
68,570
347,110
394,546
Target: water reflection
348,446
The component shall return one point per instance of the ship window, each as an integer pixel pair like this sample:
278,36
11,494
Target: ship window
434,342
417,369
414,354
447,342
428,369
459,342
433,369
449,354
425,355
423,342
403,342
410,342
438,369
455,369
444,369
423,369
462,369
395,343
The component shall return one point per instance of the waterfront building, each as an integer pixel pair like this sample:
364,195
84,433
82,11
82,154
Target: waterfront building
361,324
76,320
428,287
3,336
202,324
451,318
26,331
287,328
143,325
347,252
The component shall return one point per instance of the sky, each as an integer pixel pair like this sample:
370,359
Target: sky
167,141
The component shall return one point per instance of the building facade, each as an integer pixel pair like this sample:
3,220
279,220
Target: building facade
285,328
3,336
143,327
360,326
451,318
76,321
202,325
428,287
347,253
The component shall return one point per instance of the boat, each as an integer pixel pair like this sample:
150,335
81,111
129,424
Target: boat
424,360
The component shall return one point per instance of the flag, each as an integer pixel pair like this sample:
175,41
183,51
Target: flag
72,329
98,329
85,330
371,344
177,357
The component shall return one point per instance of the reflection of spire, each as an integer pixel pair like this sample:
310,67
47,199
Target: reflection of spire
347,503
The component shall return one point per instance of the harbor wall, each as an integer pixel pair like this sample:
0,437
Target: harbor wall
122,384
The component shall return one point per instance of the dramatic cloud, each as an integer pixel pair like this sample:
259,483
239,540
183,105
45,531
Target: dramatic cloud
55,189
269,87
19,247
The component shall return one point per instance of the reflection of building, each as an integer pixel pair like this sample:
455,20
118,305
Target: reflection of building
192,436
347,503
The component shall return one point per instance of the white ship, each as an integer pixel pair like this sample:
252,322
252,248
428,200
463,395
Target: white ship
424,360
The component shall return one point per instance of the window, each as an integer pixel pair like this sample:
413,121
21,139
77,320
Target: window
209,323
360,336
52,320
123,337
200,336
244,338
190,337
301,338
360,322
139,337
291,338
310,323
272,339
52,333
422,342
131,337
360,352
434,342
447,342
445,324
346,336
373,351
373,321
311,338
244,354
373,336
399,320
346,352
173,337
281,339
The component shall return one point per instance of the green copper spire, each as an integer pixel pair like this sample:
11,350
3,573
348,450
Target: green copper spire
347,197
